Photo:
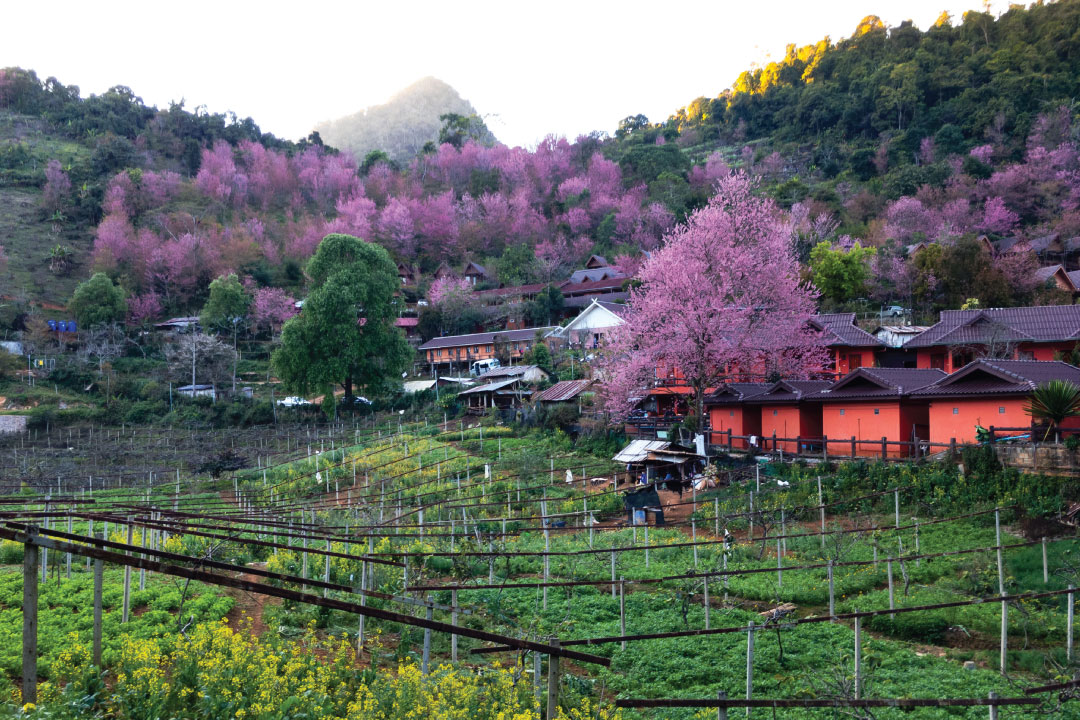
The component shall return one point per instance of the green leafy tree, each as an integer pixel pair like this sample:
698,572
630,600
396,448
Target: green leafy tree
840,274
1053,402
545,309
518,265
345,334
228,301
98,301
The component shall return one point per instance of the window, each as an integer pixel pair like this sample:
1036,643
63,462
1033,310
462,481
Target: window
1001,411
731,413
854,361
956,411
841,411
774,412
877,411
937,361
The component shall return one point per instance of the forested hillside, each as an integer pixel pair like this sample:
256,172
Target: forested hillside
873,144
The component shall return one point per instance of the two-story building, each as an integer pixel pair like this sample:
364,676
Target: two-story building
462,350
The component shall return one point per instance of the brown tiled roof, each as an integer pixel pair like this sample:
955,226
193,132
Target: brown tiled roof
564,390
481,338
1044,323
789,391
569,288
1000,377
871,383
513,290
732,393
584,301
839,329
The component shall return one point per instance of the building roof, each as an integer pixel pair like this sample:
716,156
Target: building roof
840,330
1043,323
491,387
615,310
596,261
594,274
530,289
1000,377
509,371
584,300
1074,276
788,391
473,268
620,309
872,383
732,393
581,288
415,386
639,450
564,390
407,322
482,338
1056,273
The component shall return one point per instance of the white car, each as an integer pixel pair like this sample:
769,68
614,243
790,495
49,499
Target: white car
293,401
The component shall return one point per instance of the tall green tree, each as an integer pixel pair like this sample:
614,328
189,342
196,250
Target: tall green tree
98,301
227,301
840,274
345,334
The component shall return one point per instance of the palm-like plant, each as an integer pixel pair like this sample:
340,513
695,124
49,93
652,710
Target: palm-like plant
1054,401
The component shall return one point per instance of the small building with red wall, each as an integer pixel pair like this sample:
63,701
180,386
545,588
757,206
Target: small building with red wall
786,414
728,412
989,393
850,346
871,404
1020,333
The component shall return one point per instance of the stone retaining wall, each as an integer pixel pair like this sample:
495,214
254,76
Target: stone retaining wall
12,423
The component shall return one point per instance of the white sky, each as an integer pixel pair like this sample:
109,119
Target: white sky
557,66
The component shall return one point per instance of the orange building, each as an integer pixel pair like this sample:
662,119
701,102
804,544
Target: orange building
989,393
872,404
785,413
1021,333
850,346
728,412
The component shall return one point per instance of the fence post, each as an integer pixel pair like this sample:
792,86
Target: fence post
622,608
127,576
453,621
1004,636
693,536
993,708
821,507
646,544
99,568
952,449
749,663
706,602
1046,574
427,639
553,681
832,594
779,565
1069,627
892,596
853,447
825,448
30,619
721,712
858,656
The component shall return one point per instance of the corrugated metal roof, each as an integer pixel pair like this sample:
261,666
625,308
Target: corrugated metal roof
482,338
638,450
1044,323
508,371
564,390
1000,377
490,387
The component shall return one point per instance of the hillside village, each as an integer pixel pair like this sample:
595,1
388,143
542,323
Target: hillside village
768,406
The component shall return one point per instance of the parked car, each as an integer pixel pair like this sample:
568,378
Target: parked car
293,401
482,366
894,311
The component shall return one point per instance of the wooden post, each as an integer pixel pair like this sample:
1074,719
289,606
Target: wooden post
1069,627
896,506
884,448
993,708
536,676
622,608
68,560
821,507
99,567
853,450
716,513
1046,568
749,662
127,577
1004,636
693,535
326,571
832,594
706,602
892,596
721,712
553,681
30,621
612,574
453,621
427,640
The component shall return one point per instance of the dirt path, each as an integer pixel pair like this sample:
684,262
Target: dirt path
251,605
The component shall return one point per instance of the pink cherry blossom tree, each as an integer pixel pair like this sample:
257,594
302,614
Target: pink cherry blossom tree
144,309
271,307
57,186
722,292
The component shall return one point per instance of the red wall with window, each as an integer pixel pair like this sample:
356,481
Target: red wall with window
740,420
791,421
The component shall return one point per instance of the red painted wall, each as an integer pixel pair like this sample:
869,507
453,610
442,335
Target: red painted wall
1026,351
892,421
791,421
945,424
847,359
740,420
